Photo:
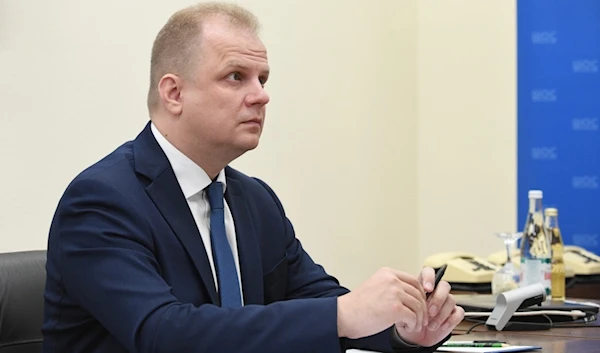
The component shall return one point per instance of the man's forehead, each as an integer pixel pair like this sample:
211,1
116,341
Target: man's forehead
221,39
219,28
246,63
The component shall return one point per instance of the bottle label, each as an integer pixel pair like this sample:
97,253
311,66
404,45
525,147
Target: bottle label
536,271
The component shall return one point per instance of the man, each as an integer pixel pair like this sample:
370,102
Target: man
161,247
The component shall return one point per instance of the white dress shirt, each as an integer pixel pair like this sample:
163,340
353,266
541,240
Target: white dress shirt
192,181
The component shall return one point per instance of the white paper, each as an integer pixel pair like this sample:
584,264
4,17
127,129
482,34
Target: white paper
487,349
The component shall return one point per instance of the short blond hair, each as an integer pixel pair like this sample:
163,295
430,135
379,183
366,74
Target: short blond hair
175,49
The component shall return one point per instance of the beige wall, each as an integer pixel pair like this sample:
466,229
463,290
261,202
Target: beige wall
467,124
339,145
365,100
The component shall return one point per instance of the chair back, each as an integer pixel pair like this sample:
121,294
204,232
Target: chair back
22,282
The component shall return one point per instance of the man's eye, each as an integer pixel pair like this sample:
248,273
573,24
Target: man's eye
235,76
262,80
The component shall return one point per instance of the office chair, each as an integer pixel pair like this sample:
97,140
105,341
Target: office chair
22,282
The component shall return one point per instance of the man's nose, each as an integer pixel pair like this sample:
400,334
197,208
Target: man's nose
258,95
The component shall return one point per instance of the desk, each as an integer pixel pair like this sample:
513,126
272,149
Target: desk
556,340
549,344
592,331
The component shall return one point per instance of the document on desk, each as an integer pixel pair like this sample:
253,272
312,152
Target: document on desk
470,349
488,349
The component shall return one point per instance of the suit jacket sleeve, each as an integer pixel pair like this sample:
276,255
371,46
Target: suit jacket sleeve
306,279
108,267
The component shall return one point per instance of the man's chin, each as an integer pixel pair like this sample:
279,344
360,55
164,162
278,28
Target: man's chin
252,146
248,145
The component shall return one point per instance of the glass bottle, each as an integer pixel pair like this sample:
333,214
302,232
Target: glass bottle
535,250
557,246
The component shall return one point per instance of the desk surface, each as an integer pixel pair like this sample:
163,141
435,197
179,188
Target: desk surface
549,344
589,331
555,340
592,331
559,340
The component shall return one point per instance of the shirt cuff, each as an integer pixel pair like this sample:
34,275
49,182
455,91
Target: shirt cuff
398,342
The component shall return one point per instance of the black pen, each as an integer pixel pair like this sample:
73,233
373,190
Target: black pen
438,277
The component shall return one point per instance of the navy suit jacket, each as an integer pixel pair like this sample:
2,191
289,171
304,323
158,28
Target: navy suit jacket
127,270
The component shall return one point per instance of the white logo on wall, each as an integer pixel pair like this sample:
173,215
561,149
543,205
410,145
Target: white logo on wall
586,124
585,240
544,153
585,66
544,37
585,182
544,95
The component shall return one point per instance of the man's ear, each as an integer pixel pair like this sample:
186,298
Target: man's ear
169,91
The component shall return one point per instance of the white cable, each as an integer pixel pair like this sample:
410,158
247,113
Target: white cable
572,313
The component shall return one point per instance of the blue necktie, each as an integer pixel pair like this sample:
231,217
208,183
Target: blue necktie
229,285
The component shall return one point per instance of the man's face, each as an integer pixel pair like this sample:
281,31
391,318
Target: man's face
224,104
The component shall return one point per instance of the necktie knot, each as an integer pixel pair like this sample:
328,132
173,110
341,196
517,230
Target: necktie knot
215,195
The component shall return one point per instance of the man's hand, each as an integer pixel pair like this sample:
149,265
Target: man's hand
442,313
388,297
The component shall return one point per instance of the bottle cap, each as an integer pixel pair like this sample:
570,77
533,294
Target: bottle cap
535,194
551,211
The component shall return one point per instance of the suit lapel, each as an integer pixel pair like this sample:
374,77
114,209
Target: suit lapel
166,194
171,203
248,249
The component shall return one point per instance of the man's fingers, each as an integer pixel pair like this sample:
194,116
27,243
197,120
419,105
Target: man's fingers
427,279
412,295
411,280
438,297
413,287
415,305
443,314
409,319
414,292
456,316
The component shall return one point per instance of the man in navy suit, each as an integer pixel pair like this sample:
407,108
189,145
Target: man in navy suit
161,247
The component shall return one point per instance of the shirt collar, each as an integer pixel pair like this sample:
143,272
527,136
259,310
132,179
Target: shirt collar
191,177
